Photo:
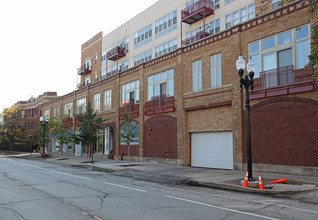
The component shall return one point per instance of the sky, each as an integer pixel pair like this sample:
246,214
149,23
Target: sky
40,42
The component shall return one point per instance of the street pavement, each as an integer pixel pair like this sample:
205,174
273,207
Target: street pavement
176,174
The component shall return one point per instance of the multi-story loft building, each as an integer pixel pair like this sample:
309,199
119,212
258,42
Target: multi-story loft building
30,112
172,67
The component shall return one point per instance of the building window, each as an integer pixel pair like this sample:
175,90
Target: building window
87,81
302,46
96,78
80,106
166,48
216,4
275,4
46,115
216,74
88,64
68,109
281,50
144,57
96,58
161,84
215,27
97,102
22,114
197,75
166,24
134,128
251,11
108,99
228,21
143,36
130,93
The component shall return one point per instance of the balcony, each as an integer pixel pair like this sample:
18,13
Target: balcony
283,81
197,11
159,104
84,70
197,37
130,108
116,53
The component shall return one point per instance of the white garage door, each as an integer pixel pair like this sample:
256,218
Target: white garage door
212,150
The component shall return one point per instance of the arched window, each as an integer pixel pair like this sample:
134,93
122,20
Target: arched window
133,128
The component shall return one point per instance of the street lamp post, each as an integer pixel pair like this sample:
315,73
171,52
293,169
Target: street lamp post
247,82
43,123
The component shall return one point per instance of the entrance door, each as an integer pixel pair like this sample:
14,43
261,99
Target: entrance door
108,140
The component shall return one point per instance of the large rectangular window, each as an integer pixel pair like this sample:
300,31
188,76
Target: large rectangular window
197,75
97,102
130,93
216,75
161,84
68,109
108,99
291,47
80,106
166,24
277,53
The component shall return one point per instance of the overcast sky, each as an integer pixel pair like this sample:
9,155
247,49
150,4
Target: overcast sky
40,41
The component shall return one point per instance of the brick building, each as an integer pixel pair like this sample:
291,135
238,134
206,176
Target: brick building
175,73
30,112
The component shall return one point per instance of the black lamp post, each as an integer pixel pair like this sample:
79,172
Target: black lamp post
247,82
43,123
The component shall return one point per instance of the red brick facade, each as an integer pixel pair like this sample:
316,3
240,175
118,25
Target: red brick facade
284,132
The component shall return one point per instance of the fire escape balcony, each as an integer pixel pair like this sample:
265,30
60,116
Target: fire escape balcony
197,11
116,53
83,70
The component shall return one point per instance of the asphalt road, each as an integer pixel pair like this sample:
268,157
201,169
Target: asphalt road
40,190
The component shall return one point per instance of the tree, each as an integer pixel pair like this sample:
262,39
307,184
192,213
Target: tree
312,9
11,127
127,132
90,124
59,130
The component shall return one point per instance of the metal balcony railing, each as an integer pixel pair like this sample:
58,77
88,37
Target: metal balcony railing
275,77
283,81
116,53
83,70
200,35
197,11
159,104
130,108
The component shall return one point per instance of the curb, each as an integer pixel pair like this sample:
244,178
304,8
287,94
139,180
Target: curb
236,188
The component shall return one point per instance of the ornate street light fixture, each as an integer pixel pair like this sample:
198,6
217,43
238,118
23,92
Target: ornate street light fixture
247,82
44,124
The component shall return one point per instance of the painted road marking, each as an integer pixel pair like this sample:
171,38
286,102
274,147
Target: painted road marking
218,207
85,178
126,187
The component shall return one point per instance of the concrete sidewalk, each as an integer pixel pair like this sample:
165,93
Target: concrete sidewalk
176,174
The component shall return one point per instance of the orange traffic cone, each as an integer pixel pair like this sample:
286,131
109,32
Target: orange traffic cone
279,181
260,182
245,184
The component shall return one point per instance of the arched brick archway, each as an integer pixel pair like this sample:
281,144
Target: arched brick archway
284,132
160,137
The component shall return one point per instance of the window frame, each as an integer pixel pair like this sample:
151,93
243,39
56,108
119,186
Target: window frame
108,99
197,75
